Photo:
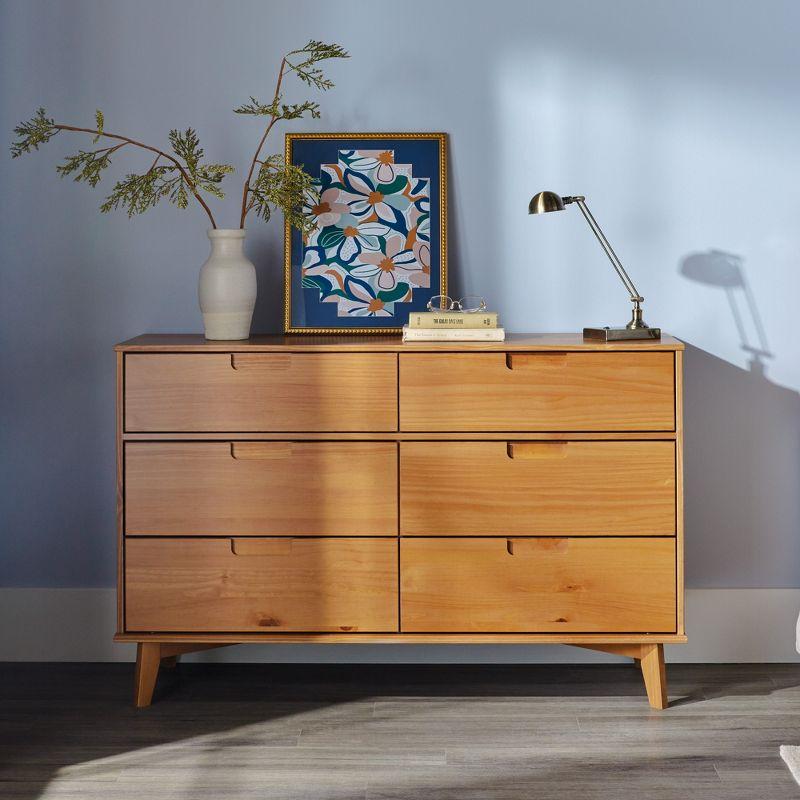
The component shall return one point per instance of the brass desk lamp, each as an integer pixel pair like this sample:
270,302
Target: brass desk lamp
636,328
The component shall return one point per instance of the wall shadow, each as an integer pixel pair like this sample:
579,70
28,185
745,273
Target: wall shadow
455,274
267,255
742,459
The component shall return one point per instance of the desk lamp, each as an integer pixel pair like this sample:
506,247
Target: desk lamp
542,203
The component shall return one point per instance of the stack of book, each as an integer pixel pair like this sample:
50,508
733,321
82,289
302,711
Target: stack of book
453,326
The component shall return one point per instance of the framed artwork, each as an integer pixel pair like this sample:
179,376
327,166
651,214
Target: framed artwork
379,247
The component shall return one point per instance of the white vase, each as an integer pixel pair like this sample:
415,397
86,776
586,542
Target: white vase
227,286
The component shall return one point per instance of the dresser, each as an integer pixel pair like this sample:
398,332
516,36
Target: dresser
361,490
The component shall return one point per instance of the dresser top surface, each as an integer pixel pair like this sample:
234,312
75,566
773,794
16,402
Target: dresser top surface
196,343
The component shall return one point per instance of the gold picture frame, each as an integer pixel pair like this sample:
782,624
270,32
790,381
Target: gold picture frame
291,236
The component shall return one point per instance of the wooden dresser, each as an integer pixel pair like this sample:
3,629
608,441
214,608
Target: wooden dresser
341,489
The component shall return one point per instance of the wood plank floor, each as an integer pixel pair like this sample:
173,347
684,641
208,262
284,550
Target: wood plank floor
225,732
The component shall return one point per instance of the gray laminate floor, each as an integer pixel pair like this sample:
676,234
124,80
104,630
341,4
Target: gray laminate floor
253,731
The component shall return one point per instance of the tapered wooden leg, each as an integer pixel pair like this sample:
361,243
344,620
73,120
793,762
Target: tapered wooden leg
152,655
148,660
654,674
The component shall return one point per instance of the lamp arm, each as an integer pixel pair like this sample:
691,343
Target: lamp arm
604,243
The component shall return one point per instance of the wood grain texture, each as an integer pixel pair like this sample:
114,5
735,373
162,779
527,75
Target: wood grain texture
566,391
409,436
654,674
589,639
148,660
196,343
572,488
544,585
681,592
593,430
259,488
261,392
633,651
119,488
313,585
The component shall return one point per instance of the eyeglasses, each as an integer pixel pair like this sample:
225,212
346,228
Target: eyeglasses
469,304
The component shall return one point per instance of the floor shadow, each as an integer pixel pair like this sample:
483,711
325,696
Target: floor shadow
742,459
70,730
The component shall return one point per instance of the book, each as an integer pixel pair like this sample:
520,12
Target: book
453,334
452,319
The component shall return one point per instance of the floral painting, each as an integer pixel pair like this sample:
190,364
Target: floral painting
370,246
375,252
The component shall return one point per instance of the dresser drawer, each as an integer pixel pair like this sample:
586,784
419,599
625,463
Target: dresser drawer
261,488
538,585
567,391
264,585
261,392
574,488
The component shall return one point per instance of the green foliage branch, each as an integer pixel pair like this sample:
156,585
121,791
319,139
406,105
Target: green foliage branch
181,172
272,182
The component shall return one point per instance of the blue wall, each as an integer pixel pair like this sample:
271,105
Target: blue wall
678,120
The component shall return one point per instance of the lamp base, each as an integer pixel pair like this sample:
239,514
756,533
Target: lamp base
621,334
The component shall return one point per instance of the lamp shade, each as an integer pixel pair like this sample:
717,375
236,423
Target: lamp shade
543,202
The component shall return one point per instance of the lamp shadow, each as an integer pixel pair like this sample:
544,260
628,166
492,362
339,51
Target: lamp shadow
725,271
742,460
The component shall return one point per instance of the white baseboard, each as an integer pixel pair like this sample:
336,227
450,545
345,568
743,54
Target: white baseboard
723,625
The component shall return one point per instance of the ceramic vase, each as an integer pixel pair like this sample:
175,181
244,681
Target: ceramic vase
227,287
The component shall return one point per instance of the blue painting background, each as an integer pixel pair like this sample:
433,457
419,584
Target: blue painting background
423,154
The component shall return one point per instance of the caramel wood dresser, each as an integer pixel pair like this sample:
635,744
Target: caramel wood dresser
342,489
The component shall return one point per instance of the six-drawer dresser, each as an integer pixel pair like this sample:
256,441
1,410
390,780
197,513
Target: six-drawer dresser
357,489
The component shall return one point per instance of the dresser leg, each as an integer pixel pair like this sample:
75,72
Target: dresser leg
152,655
148,660
654,674
650,658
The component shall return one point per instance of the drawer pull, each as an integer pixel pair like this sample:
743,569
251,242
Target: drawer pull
518,547
271,361
531,450
261,547
260,451
522,360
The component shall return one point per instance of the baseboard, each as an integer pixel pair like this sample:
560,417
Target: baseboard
724,625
